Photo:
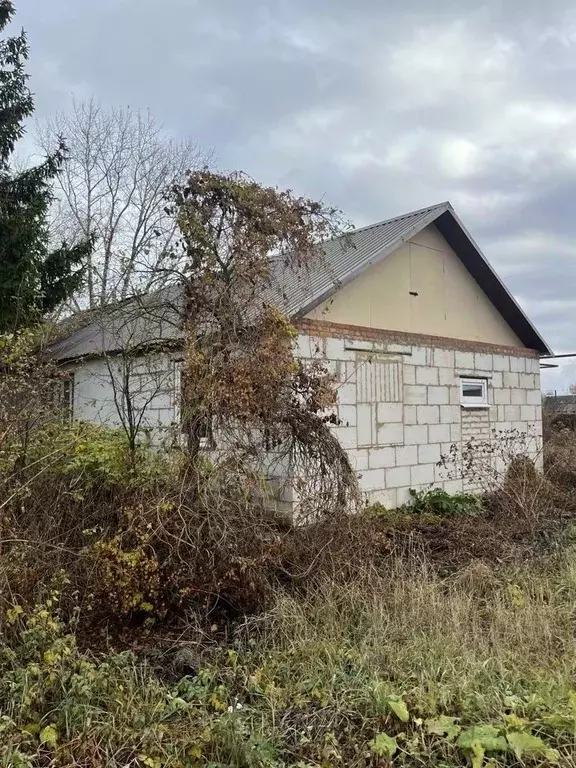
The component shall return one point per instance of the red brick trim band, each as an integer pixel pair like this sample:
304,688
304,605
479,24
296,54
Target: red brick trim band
325,328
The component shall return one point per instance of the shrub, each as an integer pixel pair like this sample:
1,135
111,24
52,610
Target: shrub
94,455
438,502
64,706
204,543
560,463
127,571
89,453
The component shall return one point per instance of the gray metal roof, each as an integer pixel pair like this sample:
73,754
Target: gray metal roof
344,259
140,321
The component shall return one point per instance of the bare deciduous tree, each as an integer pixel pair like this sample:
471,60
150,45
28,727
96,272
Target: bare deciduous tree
112,187
139,382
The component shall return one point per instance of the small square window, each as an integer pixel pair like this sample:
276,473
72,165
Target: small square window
474,393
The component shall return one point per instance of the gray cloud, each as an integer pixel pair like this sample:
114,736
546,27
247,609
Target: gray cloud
377,108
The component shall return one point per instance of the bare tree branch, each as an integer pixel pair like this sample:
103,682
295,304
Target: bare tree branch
113,186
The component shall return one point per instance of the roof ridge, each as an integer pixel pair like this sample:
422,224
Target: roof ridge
426,209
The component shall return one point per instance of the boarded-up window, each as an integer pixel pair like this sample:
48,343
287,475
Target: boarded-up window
379,380
379,387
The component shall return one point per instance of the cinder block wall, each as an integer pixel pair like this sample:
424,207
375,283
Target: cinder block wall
399,404
153,383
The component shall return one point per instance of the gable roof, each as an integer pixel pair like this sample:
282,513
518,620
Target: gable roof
351,255
346,258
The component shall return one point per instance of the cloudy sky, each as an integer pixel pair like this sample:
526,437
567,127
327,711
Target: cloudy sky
378,107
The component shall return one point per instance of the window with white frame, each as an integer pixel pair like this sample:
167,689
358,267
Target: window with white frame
473,392
67,397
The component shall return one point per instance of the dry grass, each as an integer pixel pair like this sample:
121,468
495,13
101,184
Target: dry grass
464,642
143,547
314,681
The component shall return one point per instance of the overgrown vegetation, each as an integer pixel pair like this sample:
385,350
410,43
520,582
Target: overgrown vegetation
153,616
144,626
401,665
241,244
439,502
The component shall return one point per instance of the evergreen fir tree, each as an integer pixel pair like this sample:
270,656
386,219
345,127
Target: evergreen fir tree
33,279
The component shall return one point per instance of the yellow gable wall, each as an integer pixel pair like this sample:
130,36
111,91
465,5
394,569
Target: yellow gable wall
449,301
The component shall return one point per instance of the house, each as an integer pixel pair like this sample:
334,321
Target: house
560,404
560,411
429,347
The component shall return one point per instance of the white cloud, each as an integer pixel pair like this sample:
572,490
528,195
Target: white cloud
440,62
401,152
480,207
459,158
518,249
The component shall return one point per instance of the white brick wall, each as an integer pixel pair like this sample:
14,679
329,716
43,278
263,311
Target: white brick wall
396,477
496,379
410,374
429,454
518,396
415,435
438,395
347,415
390,412
410,411
425,375
153,387
410,414
374,479
421,475
444,358
359,458
439,433
390,434
447,376
534,397
406,455
396,445
415,395
381,457
464,360
518,364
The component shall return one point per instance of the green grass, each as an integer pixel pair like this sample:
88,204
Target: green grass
402,666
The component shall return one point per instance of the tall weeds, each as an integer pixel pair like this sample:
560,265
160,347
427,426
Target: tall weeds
431,671
461,644
426,636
